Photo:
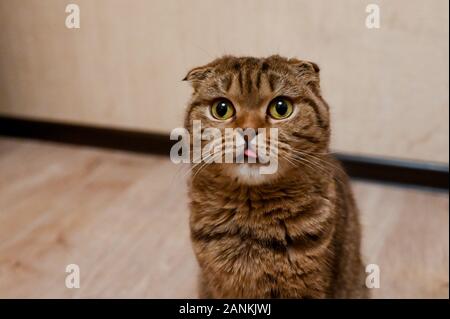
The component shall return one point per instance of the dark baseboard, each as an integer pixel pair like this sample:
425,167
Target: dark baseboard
395,171
404,172
126,140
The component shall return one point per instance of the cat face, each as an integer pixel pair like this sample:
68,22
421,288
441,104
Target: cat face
265,93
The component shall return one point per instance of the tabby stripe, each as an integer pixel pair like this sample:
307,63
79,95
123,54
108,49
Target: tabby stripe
309,138
316,91
261,71
312,215
249,81
258,79
272,243
310,241
272,79
306,241
227,83
312,103
240,82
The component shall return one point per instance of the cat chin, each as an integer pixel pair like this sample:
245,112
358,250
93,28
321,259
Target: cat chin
250,174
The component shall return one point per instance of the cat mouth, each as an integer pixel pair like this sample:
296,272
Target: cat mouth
250,153
251,157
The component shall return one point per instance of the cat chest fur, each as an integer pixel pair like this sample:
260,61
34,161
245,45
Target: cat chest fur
249,248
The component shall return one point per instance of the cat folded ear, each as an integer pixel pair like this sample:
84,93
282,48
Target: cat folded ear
306,69
305,65
198,74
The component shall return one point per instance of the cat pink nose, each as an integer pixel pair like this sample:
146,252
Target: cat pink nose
249,133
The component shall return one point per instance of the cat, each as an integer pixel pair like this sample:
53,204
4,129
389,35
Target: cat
291,234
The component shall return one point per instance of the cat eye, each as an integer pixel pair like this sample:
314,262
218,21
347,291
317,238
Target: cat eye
222,109
280,108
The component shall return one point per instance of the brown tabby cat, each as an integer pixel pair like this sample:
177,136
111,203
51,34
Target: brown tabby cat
292,234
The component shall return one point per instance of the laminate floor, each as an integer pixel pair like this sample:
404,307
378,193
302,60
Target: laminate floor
123,219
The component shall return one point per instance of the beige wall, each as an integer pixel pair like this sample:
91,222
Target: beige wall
388,88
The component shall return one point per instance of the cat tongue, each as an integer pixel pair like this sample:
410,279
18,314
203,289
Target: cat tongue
250,153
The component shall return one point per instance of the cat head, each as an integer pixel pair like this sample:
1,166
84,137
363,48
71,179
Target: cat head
262,93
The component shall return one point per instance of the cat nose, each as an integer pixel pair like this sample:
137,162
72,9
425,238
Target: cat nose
248,132
248,135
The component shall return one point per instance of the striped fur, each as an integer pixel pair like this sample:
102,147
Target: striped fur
297,234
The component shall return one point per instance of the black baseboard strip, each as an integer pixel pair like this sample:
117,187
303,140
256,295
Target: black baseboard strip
394,171
111,138
404,172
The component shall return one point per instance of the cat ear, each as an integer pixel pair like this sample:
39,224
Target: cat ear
306,69
198,74
305,65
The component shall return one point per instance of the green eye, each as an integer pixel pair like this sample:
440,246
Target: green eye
280,108
222,109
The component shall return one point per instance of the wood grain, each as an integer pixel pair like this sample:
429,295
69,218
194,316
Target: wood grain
123,219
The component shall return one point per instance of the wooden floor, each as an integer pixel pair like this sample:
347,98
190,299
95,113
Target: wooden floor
123,219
